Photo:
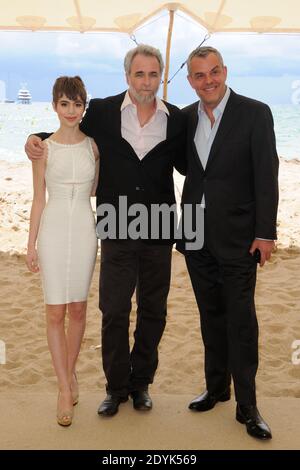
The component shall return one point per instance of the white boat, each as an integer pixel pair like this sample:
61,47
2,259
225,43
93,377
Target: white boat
24,96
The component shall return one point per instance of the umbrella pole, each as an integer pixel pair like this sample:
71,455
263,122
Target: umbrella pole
166,76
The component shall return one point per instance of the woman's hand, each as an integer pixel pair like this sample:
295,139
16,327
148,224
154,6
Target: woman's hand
32,260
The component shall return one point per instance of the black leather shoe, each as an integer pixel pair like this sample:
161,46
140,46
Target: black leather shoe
207,401
141,400
255,425
110,405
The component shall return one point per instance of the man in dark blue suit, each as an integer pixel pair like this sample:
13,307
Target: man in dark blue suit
233,173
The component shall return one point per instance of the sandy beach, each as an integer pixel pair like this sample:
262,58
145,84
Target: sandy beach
28,385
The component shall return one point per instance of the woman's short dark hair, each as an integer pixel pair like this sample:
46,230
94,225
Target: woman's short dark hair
71,87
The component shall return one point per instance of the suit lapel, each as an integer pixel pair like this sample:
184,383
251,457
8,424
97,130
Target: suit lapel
114,127
193,123
227,122
113,119
172,131
172,124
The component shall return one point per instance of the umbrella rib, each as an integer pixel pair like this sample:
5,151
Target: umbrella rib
168,49
219,12
79,15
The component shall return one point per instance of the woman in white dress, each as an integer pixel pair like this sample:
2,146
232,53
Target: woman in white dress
62,243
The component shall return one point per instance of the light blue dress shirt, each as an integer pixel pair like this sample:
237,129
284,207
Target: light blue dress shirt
205,134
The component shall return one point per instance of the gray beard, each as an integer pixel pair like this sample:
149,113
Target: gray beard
142,99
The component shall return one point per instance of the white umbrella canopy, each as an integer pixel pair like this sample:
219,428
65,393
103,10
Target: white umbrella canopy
125,16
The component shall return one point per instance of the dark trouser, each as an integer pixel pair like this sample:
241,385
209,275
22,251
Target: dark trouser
126,265
224,290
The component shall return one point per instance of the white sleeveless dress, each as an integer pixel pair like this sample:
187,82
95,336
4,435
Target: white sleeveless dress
67,243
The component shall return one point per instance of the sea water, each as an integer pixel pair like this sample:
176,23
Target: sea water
17,121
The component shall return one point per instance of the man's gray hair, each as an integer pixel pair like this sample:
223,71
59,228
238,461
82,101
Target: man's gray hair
145,50
203,52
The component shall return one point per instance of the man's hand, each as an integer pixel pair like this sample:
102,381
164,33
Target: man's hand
265,247
35,148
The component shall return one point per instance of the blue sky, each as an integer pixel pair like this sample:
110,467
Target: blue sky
265,67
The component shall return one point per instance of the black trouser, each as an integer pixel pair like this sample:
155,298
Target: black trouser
224,290
126,265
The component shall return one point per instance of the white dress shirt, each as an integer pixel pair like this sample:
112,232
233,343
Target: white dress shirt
143,138
205,133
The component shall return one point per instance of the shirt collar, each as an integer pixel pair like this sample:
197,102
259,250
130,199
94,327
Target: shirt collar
160,105
218,110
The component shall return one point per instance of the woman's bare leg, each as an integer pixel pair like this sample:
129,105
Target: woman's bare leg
57,343
76,328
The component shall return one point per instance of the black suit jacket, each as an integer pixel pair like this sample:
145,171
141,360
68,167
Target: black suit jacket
240,181
102,121
122,173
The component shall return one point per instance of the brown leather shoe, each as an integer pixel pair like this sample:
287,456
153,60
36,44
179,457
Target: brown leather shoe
207,401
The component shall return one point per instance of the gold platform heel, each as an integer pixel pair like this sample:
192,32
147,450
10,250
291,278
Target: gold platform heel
64,417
